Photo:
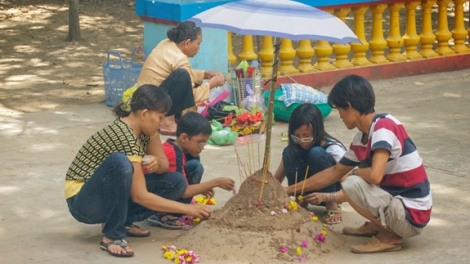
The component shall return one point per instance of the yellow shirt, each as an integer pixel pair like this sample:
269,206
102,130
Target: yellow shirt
164,59
115,138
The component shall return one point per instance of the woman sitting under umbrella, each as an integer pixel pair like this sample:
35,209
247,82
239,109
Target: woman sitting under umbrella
168,67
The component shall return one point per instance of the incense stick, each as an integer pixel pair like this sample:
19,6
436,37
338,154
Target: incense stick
239,162
295,184
249,156
305,179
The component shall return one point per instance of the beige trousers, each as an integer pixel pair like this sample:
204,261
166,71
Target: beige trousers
389,210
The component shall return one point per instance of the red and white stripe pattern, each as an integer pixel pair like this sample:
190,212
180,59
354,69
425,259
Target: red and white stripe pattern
405,176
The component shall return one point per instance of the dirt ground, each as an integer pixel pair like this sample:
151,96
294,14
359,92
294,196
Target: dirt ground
39,70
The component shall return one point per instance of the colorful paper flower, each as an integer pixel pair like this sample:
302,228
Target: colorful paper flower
320,237
298,251
284,211
283,249
273,213
314,218
302,259
205,200
324,232
180,256
292,206
304,243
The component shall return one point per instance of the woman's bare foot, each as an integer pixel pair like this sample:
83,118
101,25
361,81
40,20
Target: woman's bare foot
168,125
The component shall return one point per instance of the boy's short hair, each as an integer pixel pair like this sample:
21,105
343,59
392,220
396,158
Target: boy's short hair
193,124
357,91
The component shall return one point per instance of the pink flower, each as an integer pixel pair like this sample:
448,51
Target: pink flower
234,191
283,249
304,243
273,213
302,259
320,237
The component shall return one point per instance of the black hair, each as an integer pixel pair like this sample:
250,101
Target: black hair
147,96
309,115
193,124
355,90
183,31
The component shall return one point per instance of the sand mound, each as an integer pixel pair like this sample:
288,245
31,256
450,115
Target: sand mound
244,230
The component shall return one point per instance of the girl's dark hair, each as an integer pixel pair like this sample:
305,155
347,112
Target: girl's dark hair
355,90
185,30
147,96
193,124
309,115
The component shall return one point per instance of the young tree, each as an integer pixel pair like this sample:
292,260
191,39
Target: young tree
74,23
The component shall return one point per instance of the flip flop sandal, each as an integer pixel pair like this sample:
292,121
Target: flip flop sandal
168,223
132,234
120,242
329,215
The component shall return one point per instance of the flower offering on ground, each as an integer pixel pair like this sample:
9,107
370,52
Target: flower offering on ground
180,256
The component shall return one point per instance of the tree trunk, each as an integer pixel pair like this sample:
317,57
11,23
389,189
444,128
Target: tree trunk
74,22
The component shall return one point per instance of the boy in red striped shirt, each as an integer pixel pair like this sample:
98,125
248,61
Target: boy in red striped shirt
390,188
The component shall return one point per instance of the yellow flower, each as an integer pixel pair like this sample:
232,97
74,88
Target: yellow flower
164,247
324,232
196,220
298,250
177,261
169,255
314,218
292,206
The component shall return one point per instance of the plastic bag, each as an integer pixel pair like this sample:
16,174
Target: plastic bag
221,136
253,100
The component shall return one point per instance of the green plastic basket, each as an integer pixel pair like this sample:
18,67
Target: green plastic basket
283,113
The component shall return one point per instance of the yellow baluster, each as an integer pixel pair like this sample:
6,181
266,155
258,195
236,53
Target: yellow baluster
231,57
286,56
247,52
266,55
360,49
427,37
305,53
411,38
443,34
459,33
394,40
342,50
377,42
323,50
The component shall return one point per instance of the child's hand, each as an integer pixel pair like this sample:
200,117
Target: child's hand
210,193
226,183
149,164
198,210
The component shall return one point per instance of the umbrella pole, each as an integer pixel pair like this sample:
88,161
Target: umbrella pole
269,122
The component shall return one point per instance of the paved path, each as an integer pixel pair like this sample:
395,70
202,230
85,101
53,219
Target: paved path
36,149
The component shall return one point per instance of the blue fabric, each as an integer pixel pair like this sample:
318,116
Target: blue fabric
296,160
105,197
299,93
